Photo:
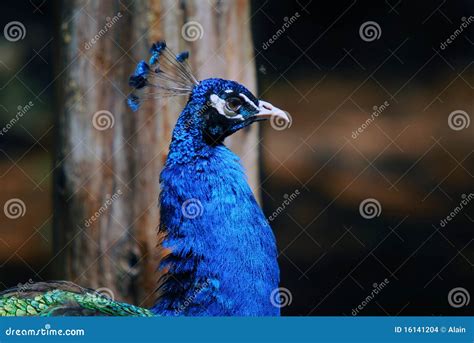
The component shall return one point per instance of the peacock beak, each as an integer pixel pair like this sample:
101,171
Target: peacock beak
267,111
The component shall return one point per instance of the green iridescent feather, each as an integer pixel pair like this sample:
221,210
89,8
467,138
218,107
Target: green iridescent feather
63,299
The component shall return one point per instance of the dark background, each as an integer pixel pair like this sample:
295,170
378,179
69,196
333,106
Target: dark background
329,79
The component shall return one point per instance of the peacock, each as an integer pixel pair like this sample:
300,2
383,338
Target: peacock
222,255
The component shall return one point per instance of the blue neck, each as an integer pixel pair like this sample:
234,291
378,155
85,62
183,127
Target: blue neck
223,252
187,143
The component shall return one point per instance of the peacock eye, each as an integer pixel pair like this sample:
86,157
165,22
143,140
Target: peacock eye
232,105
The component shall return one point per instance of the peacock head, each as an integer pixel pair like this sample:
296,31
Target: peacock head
216,107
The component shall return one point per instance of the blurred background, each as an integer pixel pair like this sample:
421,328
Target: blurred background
358,189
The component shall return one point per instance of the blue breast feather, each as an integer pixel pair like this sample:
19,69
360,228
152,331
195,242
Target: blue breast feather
223,258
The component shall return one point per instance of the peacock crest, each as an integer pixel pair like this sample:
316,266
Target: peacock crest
165,74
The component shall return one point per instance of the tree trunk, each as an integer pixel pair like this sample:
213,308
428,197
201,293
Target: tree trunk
109,159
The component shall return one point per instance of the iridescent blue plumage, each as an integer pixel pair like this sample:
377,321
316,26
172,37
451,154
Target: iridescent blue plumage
156,50
138,79
132,102
226,243
223,256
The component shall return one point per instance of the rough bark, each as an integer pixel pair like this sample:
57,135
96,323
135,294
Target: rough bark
117,168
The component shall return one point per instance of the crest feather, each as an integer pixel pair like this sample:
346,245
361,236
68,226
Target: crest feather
164,75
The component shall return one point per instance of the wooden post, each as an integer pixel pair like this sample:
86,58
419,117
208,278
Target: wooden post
109,159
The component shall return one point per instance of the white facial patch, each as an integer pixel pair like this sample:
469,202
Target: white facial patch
219,105
250,102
